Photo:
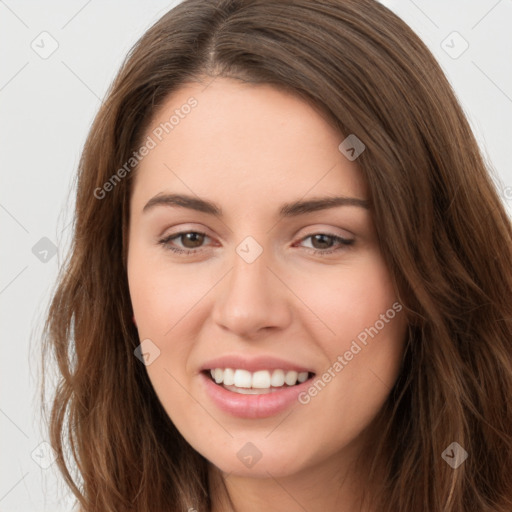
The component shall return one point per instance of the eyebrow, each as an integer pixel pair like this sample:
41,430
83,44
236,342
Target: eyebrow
293,209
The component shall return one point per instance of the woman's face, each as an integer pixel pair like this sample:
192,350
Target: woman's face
275,282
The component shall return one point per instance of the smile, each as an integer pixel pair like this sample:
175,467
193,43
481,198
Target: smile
243,398
259,382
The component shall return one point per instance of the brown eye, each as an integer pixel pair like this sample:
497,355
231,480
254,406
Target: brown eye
185,242
192,240
322,241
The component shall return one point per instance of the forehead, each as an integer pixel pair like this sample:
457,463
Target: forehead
253,140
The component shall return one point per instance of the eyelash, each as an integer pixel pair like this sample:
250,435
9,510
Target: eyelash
342,241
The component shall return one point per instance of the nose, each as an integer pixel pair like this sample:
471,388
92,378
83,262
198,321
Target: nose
252,299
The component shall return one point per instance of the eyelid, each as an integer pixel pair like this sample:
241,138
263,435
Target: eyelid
324,229
308,231
184,227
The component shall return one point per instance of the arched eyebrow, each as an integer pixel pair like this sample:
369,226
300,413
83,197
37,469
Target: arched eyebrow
292,209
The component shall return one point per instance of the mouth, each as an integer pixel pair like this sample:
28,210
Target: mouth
254,388
260,382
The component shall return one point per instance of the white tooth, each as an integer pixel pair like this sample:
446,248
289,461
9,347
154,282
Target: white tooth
303,376
212,373
261,379
218,375
291,378
277,378
229,377
243,379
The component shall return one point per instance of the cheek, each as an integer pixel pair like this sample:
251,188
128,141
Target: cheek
168,304
163,294
364,344
346,298
357,382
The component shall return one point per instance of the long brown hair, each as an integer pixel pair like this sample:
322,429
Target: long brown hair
444,233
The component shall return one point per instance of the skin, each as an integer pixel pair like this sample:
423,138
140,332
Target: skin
250,149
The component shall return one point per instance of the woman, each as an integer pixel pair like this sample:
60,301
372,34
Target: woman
290,279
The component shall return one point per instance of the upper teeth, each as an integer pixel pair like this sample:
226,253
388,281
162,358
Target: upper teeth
261,379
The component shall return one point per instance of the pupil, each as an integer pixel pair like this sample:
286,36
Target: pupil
195,238
324,239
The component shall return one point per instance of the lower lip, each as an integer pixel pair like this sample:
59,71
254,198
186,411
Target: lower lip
252,406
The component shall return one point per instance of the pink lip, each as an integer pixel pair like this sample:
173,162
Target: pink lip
251,406
253,364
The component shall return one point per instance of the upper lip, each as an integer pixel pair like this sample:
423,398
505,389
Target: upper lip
253,364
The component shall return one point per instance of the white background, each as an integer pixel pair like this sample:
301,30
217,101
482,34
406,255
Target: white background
47,106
